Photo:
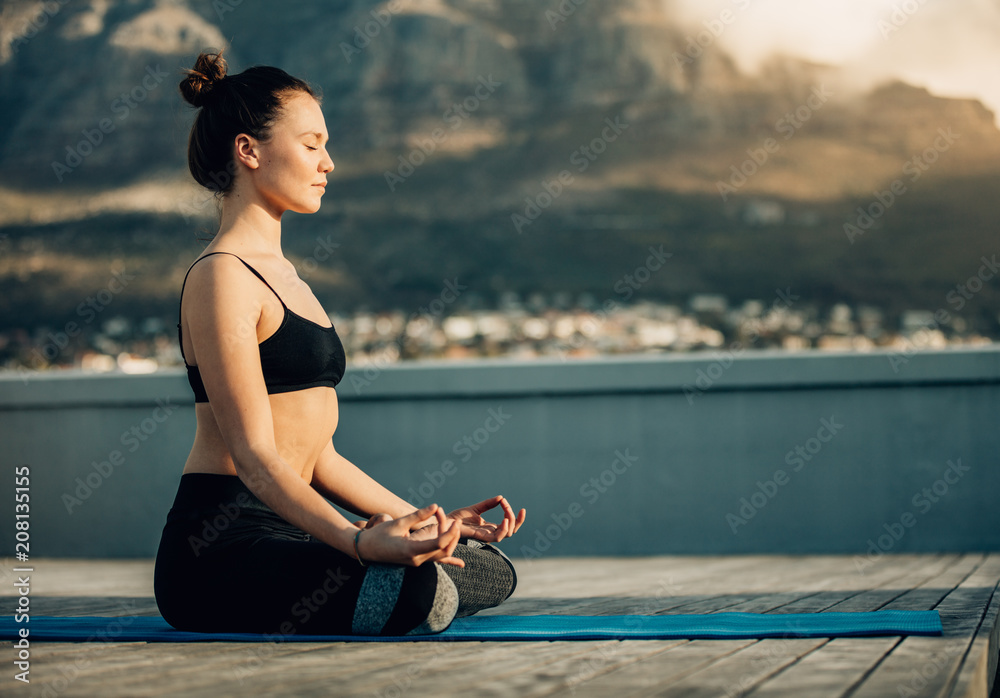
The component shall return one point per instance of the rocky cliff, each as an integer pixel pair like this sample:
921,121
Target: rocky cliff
656,134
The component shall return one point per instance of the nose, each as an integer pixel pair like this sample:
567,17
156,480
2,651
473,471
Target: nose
326,165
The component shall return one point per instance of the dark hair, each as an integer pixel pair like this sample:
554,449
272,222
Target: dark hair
248,102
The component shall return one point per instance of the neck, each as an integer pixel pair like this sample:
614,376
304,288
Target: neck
249,226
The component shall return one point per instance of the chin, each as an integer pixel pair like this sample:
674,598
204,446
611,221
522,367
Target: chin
306,206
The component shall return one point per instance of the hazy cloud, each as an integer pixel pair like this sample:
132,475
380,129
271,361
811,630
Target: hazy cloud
951,47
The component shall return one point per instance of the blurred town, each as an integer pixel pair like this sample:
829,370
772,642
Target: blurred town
556,326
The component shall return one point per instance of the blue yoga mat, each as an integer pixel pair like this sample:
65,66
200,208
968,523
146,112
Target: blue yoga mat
700,626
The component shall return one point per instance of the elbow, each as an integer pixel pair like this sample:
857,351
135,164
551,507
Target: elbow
254,466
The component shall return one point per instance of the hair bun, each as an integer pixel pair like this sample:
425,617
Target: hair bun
208,71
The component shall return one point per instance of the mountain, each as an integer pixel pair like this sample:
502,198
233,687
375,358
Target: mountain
516,145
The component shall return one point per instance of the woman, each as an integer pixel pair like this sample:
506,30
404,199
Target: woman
251,544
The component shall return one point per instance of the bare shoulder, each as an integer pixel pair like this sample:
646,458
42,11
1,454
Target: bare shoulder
222,298
227,281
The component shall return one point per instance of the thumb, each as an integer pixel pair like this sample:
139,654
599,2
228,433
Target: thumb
419,516
377,519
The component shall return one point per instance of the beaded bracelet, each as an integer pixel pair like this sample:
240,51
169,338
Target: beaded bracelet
357,553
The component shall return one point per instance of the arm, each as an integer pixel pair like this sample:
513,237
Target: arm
223,335
345,484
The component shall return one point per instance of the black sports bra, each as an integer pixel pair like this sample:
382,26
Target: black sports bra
300,354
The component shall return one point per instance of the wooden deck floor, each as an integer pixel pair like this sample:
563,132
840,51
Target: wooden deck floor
961,663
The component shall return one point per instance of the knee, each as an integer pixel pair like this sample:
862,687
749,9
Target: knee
507,575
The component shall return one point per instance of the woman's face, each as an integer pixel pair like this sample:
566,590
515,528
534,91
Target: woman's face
294,162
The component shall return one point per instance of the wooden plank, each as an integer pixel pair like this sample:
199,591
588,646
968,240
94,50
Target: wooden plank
84,577
497,676
203,665
874,589
657,670
738,672
86,606
928,666
832,670
906,598
979,668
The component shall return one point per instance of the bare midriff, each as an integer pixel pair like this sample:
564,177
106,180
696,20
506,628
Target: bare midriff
304,423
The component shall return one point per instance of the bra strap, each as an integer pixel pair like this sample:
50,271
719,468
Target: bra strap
184,283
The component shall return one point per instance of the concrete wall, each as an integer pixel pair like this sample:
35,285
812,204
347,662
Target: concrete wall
823,453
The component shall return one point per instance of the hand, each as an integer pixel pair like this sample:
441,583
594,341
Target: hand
394,541
375,519
475,526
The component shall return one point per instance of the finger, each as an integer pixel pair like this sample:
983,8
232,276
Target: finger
521,516
433,548
502,530
509,520
444,523
417,518
485,505
377,519
507,510
361,524
451,534
444,560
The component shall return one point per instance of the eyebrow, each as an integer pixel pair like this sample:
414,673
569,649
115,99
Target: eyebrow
318,135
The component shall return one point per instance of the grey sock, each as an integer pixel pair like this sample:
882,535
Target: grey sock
487,579
377,598
443,608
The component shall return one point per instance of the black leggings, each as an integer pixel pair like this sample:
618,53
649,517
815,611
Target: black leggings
228,563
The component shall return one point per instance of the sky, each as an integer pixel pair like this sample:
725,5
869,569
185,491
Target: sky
951,47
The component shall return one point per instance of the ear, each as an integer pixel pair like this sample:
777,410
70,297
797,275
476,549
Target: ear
247,151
